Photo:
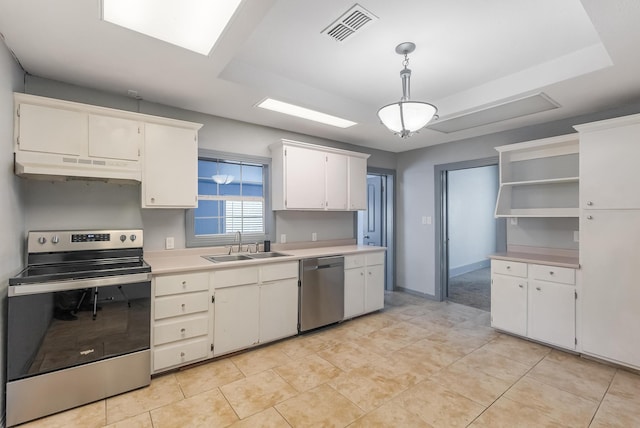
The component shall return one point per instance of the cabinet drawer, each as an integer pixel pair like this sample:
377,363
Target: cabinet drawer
375,258
183,304
509,268
353,261
231,277
180,353
183,283
179,329
275,271
553,274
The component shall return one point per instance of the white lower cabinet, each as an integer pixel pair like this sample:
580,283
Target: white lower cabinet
253,305
363,283
236,320
534,301
509,304
181,331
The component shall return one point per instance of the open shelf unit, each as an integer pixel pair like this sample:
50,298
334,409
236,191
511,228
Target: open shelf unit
539,178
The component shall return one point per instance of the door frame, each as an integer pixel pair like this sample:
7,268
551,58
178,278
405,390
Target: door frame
389,204
441,226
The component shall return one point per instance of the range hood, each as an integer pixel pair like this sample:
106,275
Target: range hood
59,167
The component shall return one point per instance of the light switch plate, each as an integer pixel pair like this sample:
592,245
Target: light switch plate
283,238
314,236
169,243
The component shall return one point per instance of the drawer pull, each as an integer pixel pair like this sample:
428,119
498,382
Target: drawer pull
589,217
182,330
182,354
551,272
183,306
508,267
361,273
520,285
184,283
538,288
589,203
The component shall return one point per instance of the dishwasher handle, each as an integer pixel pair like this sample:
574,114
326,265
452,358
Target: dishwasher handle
323,263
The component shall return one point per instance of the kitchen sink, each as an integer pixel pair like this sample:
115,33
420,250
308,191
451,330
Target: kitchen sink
267,255
227,258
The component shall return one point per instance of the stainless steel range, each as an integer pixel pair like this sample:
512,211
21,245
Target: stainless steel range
78,323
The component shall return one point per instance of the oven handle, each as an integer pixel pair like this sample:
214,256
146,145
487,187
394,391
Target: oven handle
78,284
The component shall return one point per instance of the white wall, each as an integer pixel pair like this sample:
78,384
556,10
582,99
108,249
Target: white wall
85,203
471,199
415,257
11,220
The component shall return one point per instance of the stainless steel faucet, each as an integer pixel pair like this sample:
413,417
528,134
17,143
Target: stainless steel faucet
239,240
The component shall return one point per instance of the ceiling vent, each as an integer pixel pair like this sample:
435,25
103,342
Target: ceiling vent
350,23
493,113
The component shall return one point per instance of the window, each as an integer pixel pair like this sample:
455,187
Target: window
232,197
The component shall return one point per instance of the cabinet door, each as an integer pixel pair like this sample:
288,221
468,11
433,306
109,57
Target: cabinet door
278,309
374,291
354,284
304,178
552,313
114,137
236,314
608,168
509,304
357,183
52,130
170,177
609,248
337,181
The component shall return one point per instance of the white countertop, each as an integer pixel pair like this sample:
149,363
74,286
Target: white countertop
545,259
172,261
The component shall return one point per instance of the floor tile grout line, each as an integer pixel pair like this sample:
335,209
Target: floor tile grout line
603,397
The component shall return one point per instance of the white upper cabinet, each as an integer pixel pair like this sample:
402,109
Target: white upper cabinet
609,153
337,181
51,130
309,177
114,137
539,178
170,172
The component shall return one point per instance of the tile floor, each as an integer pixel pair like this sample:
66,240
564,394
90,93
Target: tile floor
418,363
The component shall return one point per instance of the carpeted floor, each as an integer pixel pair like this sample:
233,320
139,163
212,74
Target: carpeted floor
472,289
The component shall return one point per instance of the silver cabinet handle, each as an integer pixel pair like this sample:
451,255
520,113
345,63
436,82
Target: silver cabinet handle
538,288
184,283
589,217
520,285
589,203
182,354
508,267
182,330
551,272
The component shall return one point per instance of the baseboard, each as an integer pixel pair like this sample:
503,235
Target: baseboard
461,270
415,293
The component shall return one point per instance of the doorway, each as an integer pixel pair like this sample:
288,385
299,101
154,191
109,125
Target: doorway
467,232
375,225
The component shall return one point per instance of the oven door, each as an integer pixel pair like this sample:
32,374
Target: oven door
58,325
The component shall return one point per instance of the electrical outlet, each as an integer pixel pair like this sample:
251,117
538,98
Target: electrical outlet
169,243
283,238
424,219
314,236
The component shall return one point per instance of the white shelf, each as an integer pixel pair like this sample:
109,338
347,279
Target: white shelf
545,181
541,212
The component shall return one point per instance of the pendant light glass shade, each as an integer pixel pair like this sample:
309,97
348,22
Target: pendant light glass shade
406,117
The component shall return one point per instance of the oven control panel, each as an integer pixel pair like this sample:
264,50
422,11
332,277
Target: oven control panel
71,240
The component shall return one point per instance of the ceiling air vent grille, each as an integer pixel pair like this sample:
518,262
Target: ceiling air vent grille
349,23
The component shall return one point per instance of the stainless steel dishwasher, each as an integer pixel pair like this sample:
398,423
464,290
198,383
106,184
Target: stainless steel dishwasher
321,292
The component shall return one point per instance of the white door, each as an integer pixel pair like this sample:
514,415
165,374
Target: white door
337,181
374,292
170,176
354,283
236,314
509,304
304,178
114,137
53,130
552,313
608,168
278,309
609,256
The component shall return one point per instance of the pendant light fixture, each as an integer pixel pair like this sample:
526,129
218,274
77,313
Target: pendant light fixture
406,117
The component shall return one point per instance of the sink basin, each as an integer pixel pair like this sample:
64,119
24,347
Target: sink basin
227,258
266,255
